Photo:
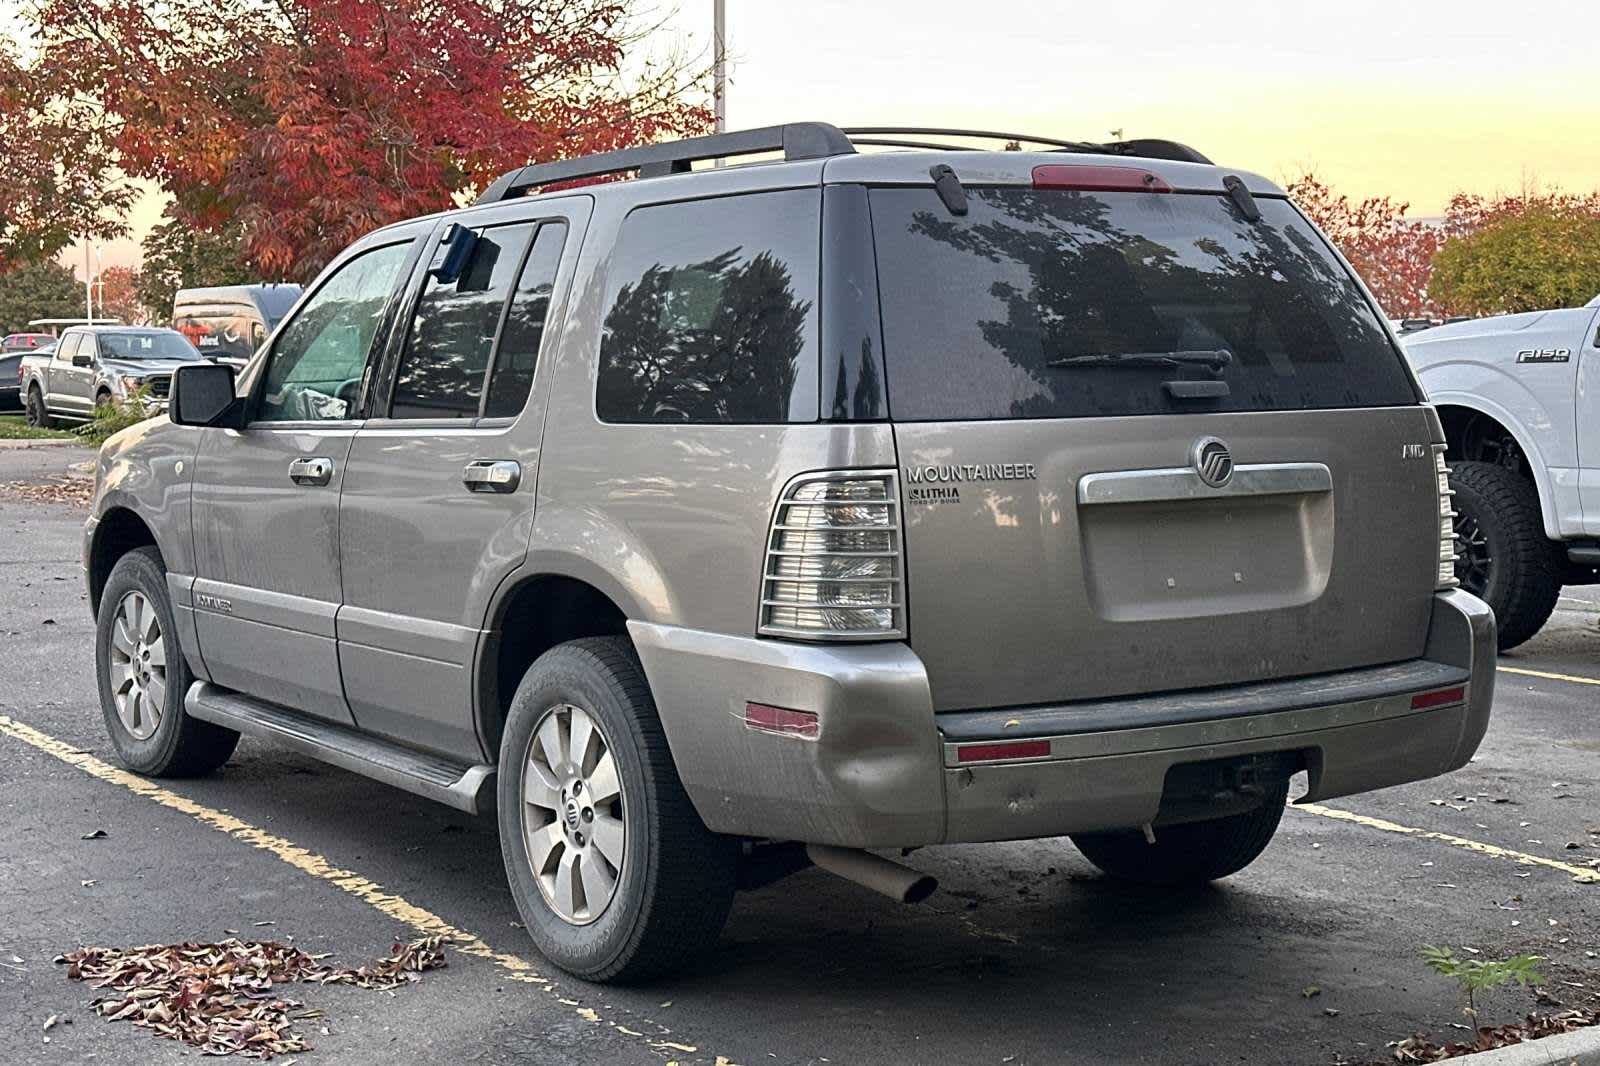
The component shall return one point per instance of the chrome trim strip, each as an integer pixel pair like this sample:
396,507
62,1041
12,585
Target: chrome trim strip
1184,483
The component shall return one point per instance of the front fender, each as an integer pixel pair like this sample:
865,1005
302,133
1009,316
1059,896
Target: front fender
1490,391
147,469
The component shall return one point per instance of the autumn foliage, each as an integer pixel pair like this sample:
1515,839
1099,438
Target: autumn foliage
58,181
311,122
1519,253
1392,253
1487,255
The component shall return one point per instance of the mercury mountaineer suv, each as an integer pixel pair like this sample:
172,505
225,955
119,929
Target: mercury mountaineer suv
719,522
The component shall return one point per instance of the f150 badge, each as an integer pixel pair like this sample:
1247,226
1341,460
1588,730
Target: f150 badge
1544,355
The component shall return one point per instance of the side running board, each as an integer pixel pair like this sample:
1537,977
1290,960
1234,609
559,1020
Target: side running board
465,787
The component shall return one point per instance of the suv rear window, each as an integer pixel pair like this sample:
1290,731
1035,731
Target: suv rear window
975,308
712,312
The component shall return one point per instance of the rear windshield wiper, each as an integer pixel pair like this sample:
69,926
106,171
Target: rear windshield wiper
1213,360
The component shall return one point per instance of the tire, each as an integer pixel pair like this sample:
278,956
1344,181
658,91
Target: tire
675,882
35,412
1188,853
103,398
145,718
1504,557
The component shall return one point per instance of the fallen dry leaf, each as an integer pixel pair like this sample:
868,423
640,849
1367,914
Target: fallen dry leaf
220,997
77,491
1419,1049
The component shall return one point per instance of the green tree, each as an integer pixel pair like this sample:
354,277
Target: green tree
1546,255
38,290
179,256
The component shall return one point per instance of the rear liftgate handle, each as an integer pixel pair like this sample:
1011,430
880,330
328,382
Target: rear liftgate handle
492,475
312,470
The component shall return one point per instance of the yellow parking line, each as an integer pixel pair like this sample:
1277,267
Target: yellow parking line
308,862
1572,678
1581,874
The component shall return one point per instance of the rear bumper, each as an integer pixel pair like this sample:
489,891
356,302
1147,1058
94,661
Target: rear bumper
885,771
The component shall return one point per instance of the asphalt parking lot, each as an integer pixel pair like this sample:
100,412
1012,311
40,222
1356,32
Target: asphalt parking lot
1025,955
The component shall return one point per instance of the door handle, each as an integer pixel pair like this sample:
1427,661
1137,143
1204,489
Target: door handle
492,475
314,470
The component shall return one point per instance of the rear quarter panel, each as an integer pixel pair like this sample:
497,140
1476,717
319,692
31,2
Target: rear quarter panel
669,520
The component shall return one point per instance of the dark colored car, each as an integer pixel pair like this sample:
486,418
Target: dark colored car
12,348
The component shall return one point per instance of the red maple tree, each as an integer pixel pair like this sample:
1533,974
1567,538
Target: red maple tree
312,122
1392,253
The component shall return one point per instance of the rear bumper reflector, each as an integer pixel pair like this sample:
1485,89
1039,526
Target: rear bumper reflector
781,720
1012,749
1423,700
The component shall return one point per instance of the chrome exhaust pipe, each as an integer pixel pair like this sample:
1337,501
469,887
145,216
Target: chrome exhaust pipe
900,883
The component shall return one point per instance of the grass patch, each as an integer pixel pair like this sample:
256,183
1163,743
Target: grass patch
15,427
115,417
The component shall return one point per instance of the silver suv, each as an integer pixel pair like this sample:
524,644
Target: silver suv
722,521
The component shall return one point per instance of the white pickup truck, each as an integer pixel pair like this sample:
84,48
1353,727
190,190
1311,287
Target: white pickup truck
1519,396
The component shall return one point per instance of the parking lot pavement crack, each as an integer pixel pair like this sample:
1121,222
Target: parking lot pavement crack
1580,874
308,862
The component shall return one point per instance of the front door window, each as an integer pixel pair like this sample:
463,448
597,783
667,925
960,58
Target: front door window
314,369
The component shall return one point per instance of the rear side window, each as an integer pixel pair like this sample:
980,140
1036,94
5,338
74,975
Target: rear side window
68,347
1053,303
453,331
712,312
518,352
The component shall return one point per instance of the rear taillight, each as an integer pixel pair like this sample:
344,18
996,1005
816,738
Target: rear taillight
833,568
1447,522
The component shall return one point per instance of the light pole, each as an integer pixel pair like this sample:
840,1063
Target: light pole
719,75
88,284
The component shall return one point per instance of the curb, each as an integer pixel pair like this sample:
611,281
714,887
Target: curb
1580,1047
40,442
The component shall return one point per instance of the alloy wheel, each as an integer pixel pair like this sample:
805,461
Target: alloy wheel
572,814
138,665
1474,560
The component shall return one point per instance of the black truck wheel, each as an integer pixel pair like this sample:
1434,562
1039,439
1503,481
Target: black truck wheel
1502,554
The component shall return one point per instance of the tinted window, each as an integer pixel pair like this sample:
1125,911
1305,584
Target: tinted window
976,308
162,345
518,351
316,365
712,312
453,331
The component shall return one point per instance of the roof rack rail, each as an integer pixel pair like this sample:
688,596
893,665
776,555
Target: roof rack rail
796,140
1143,148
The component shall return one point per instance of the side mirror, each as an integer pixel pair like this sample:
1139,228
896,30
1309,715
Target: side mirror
83,360
203,395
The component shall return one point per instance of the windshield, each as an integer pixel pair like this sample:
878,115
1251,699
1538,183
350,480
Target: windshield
167,344
1054,303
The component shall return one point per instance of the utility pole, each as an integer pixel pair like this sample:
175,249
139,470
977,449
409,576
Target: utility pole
720,58
88,284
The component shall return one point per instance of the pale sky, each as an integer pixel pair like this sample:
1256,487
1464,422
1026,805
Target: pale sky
1413,99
